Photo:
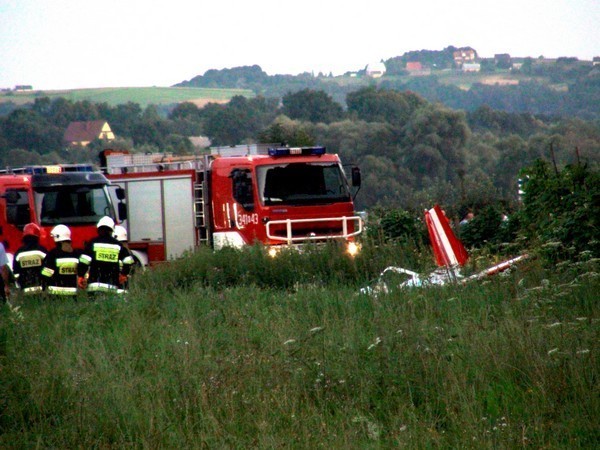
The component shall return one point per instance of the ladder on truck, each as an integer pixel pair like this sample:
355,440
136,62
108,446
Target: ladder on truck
201,209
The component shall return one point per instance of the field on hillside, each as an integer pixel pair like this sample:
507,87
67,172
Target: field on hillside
141,95
234,349
466,81
201,96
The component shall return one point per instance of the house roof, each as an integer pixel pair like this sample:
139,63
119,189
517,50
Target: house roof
414,65
84,131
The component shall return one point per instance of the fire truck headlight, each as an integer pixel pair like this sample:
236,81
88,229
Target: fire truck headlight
353,248
272,252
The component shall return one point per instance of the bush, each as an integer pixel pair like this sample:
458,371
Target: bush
396,225
490,226
561,210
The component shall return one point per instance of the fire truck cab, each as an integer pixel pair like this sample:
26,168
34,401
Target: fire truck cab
73,195
286,196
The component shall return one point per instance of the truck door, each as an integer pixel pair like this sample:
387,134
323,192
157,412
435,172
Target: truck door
17,214
243,191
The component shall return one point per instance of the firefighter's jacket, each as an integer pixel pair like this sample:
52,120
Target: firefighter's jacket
106,259
60,271
27,267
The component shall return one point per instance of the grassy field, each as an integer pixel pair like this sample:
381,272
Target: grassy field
236,350
141,95
466,81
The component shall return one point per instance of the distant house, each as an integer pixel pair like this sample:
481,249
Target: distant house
464,55
596,61
375,70
416,69
503,60
82,133
23,87
471,67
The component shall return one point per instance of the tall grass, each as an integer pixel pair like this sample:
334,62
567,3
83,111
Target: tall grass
235,349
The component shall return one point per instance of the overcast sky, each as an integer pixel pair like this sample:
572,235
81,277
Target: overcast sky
54,44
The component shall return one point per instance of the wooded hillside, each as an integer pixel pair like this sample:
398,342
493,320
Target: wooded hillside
445,137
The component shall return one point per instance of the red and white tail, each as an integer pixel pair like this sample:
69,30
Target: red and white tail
448,250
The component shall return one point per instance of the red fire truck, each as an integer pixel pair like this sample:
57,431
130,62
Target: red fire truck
73,195
234,196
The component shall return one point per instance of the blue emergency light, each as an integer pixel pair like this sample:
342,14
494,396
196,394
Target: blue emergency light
37,170
297,151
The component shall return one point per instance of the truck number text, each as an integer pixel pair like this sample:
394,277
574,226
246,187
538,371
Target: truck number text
247,219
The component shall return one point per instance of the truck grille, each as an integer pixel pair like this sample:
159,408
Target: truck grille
293,231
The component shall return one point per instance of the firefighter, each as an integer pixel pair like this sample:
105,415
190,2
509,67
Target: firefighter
60,266
4,275
120,234
28,261
104,260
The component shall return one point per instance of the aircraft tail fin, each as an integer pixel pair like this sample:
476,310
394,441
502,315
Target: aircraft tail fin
447,248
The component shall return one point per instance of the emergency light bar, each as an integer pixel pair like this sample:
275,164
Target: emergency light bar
294,151
36,170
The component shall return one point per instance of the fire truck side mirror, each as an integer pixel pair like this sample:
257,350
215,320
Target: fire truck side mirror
356,178
122,211
120,193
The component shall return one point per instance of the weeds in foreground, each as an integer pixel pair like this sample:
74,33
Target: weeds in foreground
207,362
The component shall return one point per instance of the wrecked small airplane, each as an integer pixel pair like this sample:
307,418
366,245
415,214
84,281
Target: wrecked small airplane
450,255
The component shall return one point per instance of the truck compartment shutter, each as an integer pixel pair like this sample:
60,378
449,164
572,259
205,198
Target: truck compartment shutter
179,216
146,222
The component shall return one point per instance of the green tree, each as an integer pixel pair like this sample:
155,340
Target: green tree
179,145
355,139
434,139
224,126
312,106
19,158
384,183
239,120
25,129
516,154
123,118
185,110
289,132
373,105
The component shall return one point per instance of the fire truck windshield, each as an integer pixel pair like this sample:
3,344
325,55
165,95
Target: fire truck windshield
302,184
72,204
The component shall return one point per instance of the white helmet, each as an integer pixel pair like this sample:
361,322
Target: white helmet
120,233
106,222
61,233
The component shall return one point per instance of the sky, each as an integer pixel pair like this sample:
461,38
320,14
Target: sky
69,44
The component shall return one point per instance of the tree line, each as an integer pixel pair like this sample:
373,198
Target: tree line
412,152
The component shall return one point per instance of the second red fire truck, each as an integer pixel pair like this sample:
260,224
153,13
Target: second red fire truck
75,195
